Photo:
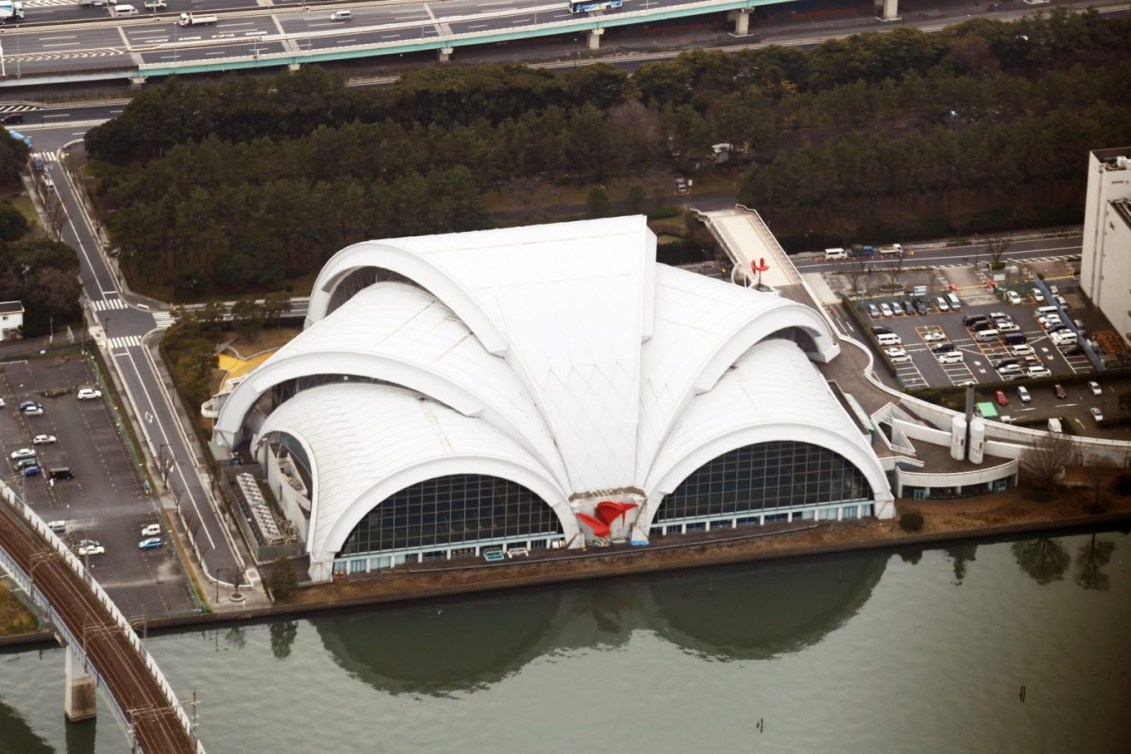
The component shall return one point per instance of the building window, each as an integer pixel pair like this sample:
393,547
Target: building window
762,477
459,509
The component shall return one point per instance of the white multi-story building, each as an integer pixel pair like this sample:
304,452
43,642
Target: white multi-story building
1105,269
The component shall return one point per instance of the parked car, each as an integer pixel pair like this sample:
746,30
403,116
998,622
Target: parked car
30,471
880,329
1095,388
1022,349
941,303
1012,297
944,347
1023,394
91,548
28,405
89,394
1058,391
152,543
151,530
886,310
1007,326
897,355
43,440
15,455
873,311
999,396
934,336
951,357
34,411
1097,414
1038,296
920,306
1039,371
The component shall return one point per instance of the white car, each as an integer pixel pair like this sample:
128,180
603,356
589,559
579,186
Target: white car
34,411
951,357
1012,297
91,548
1023,349
1095,388
43,440
1097,414
22,453
1023,394
897,355
89,394
886,310
1035,372
1004,326
934,336
151,530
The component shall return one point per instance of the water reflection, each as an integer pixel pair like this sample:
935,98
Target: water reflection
961,554
1090,559
753,611
763,611
1044,560
18,737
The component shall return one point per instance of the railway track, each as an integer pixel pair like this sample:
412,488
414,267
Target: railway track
155,724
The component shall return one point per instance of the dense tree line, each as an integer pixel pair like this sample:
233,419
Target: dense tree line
247,183
43,274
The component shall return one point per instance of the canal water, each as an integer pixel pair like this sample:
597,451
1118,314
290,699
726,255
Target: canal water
1011,646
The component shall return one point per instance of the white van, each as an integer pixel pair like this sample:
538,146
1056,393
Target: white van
986,335
952,357
125,10
59,527
1063,338
1054,425
889,339
1047,310
835,254
341,15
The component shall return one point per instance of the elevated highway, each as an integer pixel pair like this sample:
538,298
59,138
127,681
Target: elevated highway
102,649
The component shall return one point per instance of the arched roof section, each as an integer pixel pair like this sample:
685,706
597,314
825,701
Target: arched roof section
772,394
399,334
369,441
394,256
702,329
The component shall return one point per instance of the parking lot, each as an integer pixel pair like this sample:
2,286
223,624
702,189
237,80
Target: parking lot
104,502
941,347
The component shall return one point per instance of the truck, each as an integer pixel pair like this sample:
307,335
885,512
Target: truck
11,10
893,249
154,4
197,19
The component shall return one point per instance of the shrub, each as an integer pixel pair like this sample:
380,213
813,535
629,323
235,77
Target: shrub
283,580
911,521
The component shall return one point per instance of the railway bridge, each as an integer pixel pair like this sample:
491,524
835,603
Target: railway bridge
103,651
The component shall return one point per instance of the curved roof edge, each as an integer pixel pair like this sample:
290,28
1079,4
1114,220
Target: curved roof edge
667,480
273,373
328,540
418,268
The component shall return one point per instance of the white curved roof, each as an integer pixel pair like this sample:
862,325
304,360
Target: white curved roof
608,371
772,393
366,442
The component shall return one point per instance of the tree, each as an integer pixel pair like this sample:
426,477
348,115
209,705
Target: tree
1045,459
996,248
597,202
13,224
1044,559
634,205
283,579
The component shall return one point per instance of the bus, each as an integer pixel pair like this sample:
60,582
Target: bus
587,6
20,137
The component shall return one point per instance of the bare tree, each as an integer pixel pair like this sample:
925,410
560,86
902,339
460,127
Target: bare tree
997,246
1046,458
855,270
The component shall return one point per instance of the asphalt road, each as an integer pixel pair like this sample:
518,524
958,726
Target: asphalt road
147,391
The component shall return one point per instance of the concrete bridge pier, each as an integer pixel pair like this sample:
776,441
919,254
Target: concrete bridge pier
888,10
595,38
741,19
79,695
445,54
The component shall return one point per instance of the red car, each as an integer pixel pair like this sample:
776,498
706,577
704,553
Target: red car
999,396
1059,390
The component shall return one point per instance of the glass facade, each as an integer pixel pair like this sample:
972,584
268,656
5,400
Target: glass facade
456,509
765,477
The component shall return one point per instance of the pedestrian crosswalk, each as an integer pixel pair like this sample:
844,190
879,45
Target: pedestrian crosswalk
164,320
125,341
108,303
46,157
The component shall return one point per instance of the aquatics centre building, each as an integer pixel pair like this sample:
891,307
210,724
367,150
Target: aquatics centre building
543,387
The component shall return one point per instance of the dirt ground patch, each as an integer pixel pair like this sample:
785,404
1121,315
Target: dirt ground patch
15,619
